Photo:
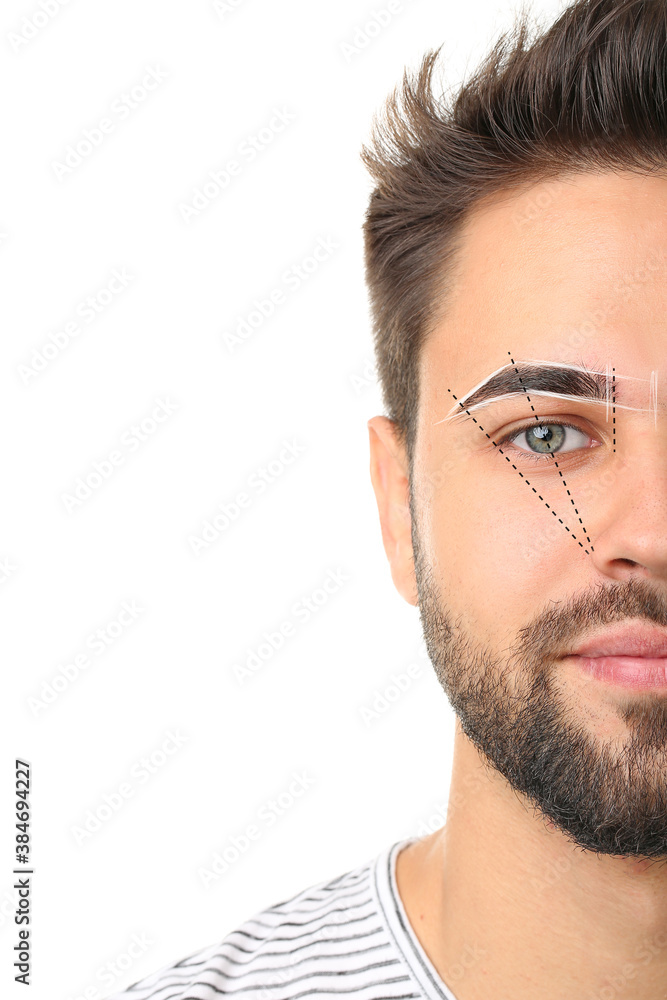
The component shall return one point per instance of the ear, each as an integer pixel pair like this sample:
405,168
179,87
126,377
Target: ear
389,475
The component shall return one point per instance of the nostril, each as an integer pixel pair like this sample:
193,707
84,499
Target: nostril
628,562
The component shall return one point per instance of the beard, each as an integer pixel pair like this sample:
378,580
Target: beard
606,796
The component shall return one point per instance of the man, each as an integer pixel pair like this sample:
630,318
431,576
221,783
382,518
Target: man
516,251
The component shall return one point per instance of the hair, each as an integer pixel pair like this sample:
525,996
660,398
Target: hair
587,94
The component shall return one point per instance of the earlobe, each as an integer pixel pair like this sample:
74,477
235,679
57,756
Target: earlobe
389,476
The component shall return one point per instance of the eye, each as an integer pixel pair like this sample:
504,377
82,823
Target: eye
543,440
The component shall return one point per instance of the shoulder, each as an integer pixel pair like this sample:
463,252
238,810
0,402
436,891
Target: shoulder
300,947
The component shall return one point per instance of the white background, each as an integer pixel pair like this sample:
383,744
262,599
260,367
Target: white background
304,375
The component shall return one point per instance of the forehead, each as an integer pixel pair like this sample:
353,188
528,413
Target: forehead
556,269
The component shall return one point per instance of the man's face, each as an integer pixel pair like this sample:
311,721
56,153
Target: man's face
570,271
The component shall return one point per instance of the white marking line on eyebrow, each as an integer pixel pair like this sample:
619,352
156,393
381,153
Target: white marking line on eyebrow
576,368
653,397
606,414
459,407
536,392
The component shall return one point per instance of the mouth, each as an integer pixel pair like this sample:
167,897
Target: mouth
631,656
626,640
639,672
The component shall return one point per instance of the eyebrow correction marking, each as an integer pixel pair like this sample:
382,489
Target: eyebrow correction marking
526,481
580,386
552,379
556,380
553,455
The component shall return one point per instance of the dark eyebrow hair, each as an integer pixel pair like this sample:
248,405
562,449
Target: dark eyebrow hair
525,377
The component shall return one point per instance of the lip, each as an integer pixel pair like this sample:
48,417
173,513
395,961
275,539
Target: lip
637,641
639,672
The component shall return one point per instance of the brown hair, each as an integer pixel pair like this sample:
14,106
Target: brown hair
588,93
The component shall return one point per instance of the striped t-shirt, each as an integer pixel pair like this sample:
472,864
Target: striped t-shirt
348,937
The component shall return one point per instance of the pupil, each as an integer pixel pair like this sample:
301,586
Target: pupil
545,439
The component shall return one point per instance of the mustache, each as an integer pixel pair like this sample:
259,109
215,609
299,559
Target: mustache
557,629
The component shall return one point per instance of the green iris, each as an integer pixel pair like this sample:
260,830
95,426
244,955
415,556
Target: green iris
545,440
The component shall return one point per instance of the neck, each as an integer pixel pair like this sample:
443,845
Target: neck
505,905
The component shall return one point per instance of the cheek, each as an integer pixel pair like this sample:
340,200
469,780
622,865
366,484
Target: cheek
500,554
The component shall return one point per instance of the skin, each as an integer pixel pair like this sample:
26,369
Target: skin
524,893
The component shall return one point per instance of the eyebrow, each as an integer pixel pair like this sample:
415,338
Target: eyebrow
543,378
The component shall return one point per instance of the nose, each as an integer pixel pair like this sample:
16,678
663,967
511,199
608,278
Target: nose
630,536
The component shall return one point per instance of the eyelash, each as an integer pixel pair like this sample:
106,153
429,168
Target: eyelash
535,456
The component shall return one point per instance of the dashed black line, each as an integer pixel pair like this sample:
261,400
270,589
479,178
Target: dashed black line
526,481
552,454
613,400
